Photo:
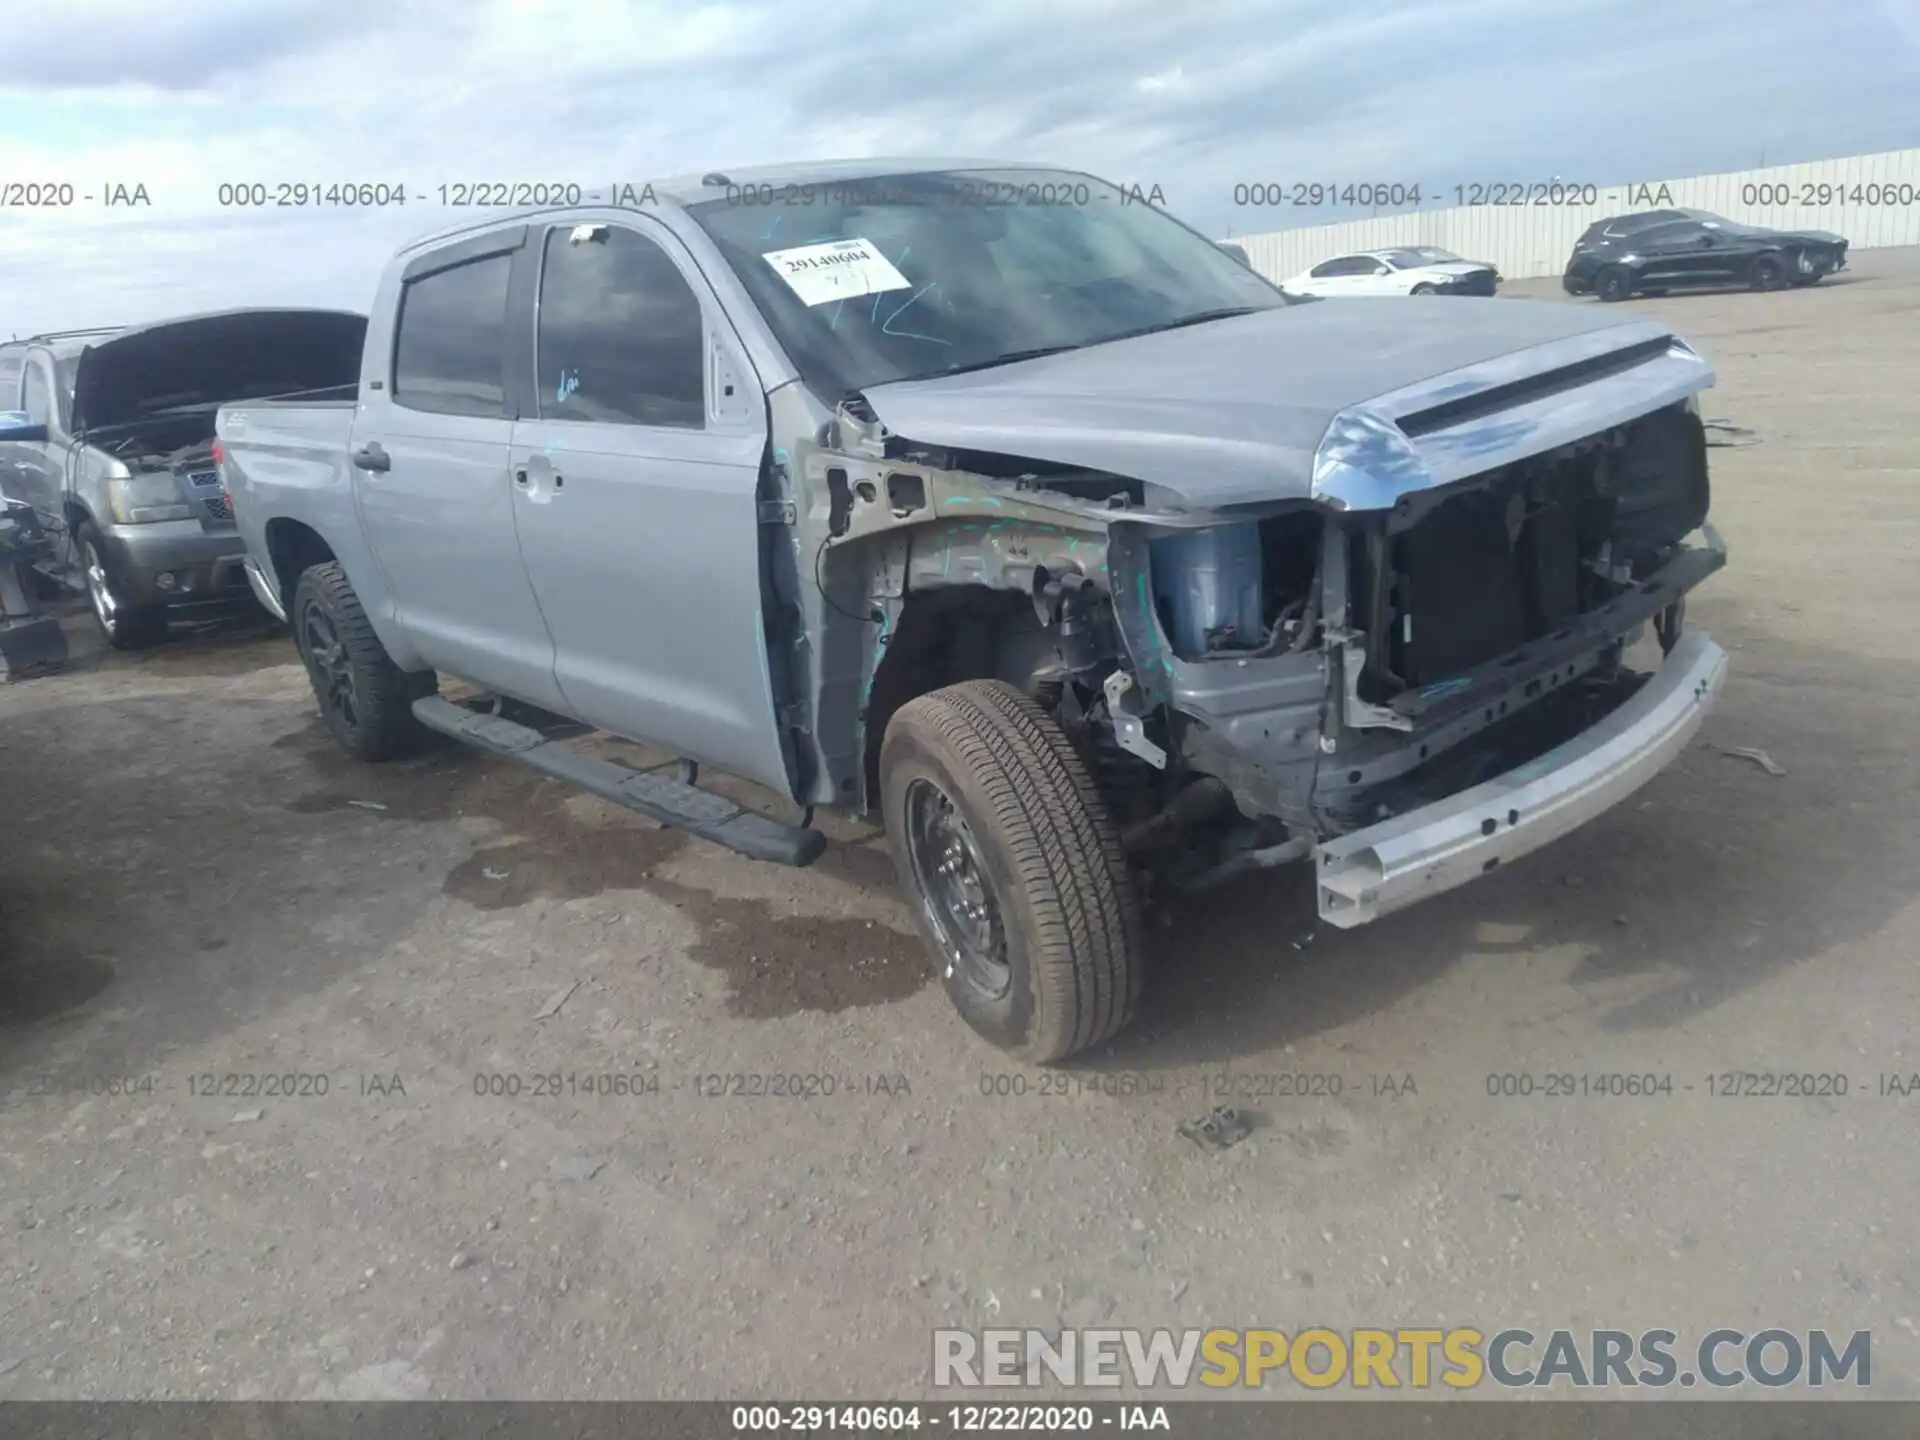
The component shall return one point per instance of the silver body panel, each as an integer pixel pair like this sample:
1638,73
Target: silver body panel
1301,402
618,583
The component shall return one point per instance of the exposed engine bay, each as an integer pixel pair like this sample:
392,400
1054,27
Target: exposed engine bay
1246,688
161,446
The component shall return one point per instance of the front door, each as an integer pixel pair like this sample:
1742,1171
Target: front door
429,460
636,485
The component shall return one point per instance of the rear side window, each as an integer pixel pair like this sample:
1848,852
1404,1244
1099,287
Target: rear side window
10,362
451,354
620,336
1653,235
1347,265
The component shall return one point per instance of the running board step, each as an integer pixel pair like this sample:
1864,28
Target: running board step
647,792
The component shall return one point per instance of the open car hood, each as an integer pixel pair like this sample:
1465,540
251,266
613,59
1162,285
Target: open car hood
203,361
1236,410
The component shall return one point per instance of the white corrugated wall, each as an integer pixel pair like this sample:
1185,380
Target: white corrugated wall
1526,241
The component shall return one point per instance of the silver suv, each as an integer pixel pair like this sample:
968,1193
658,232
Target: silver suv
112,446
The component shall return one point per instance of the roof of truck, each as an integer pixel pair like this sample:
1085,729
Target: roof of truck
691,189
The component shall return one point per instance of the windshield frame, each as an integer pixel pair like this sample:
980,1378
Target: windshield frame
1234,284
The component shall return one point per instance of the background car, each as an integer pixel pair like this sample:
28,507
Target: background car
1654,251
1405,270
114,453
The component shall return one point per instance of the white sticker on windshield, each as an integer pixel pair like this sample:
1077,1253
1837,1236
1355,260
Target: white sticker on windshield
836,270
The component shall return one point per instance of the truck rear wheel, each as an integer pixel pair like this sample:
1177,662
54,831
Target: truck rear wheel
366,700
1014,867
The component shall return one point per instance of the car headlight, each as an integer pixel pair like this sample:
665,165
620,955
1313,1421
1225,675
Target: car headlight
144,499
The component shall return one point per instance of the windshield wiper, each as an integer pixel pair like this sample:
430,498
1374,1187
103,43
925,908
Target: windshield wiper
1010,358
1226,313
1014,356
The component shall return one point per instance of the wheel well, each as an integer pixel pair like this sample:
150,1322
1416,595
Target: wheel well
294,548
943,637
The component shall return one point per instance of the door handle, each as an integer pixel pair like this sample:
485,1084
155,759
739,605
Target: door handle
371,457
521,477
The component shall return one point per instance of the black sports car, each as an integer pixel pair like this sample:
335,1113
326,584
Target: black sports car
1659,250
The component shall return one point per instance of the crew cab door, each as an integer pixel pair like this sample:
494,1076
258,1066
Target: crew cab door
636,472
429,465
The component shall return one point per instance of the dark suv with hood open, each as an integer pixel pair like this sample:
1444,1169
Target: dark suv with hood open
1655,251
112,445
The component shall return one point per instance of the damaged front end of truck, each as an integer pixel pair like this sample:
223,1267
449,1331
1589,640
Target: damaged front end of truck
1407,659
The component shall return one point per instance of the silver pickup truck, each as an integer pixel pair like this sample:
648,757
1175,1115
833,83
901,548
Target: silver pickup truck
995,500
112,447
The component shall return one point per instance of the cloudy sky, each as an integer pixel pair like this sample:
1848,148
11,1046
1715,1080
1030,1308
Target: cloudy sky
182,95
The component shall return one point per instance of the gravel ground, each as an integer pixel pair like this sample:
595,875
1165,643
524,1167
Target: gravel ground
195,885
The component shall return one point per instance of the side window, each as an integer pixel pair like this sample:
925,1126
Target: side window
10,362
1662,236
35,396
620,335
1329,268
451,354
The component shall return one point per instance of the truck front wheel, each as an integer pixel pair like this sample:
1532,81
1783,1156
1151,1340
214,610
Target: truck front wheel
126,625
366,700
1014,869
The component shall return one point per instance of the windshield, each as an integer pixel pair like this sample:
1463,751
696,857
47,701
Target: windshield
909,276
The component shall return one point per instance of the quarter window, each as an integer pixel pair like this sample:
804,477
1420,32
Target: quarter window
620,338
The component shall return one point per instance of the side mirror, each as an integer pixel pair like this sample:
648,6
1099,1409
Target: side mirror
1705,240
1235,251
20,428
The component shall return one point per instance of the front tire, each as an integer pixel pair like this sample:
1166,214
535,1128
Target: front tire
1614,284
1015,870
1769,273
1424,289
125,625
366,699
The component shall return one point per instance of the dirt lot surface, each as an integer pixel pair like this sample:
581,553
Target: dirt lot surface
195,885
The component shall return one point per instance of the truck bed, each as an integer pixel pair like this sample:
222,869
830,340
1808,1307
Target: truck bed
288,459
